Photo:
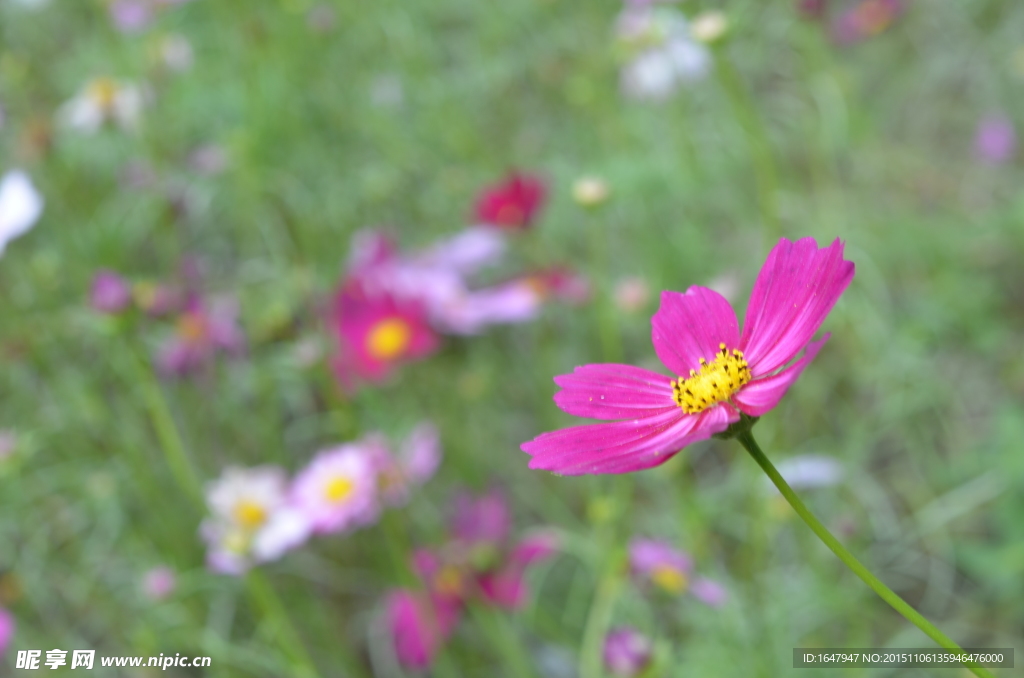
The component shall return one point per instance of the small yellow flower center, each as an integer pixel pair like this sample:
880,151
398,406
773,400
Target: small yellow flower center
103,91
448,581
192,327
249,514
339,489
716,381
669,578
388,338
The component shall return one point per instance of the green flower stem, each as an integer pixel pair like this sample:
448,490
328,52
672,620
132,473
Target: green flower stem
600,617
746,439
167,432
496,625
765,172
274,611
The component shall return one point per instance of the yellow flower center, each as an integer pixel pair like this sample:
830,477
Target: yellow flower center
669,578
192,327
388,338
339,489
103,91
716,381
448,581
249,514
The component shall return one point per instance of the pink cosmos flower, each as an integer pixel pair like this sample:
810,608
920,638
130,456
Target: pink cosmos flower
110,293
513,203
480,528
6,629
718,373
338,489
419,625
414,463
671,570
627,652
376,334
203,329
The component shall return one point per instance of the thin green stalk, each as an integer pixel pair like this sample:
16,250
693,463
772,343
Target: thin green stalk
599,619
497,627
167,432
746,439
765,172
274,611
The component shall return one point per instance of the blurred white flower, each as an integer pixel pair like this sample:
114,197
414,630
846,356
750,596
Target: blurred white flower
631,294
102,100
809,471
590,191
176,52
252,520
20,206
660,52
726,284
709,26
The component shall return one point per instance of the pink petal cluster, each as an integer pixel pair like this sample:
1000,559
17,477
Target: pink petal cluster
132,16
866,19
159,582
110,292
204,328
478,562
512,203
257,514
794,292
995,140
627,652
659,563
392,305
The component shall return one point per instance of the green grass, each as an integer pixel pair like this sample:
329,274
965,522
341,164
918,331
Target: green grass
918,392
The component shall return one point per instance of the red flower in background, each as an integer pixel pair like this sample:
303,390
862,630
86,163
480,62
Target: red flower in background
512,203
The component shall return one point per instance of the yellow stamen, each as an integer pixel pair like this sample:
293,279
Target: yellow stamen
192,327
670,578
103,91
388,338
716,381
249,514
448,581
339,489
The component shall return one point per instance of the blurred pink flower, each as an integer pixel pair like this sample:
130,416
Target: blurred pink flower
158,583
724,373
417,459
376,334
131,16
480,531
631,294
6,630
203,329
419,625
671,570
110,292
337,491
627,652
866,19
252,520
512,203
995,140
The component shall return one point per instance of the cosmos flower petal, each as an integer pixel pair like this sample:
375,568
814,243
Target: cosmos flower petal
690,326
794,292
20,206
709,592
466,252
624,446
613,391
6,629
762,395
